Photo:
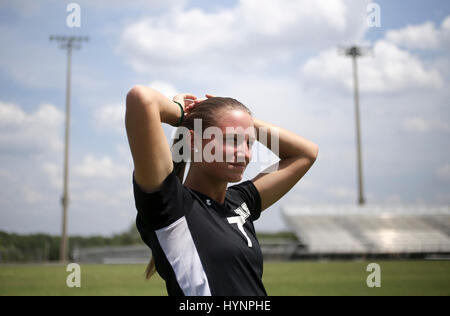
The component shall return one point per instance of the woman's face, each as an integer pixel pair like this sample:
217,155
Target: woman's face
237,137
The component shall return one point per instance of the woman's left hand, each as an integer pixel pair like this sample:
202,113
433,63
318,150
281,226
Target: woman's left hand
186,99
197,101
201,100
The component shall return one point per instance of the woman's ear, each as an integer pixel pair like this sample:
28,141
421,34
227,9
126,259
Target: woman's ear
191,134
193,145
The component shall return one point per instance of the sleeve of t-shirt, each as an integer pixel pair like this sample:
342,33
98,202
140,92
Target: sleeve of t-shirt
163,207
250,195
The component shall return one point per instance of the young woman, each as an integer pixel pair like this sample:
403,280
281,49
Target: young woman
200,232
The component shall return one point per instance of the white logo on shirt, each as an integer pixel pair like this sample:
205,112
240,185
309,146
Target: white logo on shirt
208,202
243,213
240,221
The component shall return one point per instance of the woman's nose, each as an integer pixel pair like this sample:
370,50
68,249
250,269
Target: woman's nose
243,153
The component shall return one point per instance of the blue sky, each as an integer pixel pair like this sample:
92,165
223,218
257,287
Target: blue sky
278,57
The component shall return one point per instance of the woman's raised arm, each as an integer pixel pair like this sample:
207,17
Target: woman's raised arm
297,155
146,109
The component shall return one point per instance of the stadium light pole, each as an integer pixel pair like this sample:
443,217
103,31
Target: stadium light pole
68,43
355,52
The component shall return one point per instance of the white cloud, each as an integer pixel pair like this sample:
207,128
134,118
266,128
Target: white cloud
110,117
97,196
248,52
24,8
390,70
54,173
444,172
175,36
273,18
443,198
420,125
31,196
440,125
5,174
103,197
342,192
32,8
24,59
251,34
25,132
10,115
393,199
100,168
165,88
123,151
135,4
424,36
415,124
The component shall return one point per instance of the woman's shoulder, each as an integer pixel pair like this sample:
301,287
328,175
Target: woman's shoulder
246,194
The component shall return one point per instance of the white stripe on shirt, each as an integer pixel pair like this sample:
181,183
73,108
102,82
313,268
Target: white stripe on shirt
178,246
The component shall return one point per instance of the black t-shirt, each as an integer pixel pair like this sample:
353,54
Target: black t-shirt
201,247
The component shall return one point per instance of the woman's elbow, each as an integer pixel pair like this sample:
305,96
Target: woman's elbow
136,96
314,152
141,95
140,103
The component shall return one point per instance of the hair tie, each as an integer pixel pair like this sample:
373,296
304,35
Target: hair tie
182,113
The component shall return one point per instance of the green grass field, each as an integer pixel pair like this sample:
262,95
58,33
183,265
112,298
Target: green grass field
280,278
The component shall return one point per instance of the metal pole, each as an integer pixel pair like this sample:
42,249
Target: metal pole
69,43
361,199
65,197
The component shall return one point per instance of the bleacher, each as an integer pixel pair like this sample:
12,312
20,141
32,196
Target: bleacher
332,231
370,230
137,254
112,255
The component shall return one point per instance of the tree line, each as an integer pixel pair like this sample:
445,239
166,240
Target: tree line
45,247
